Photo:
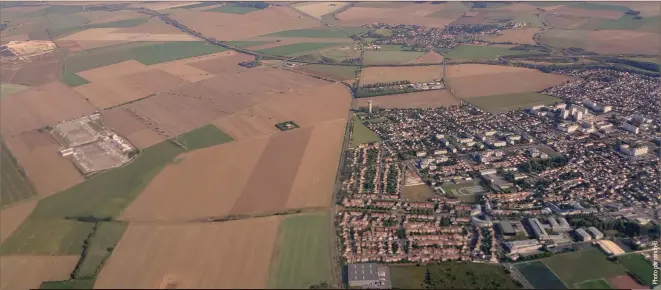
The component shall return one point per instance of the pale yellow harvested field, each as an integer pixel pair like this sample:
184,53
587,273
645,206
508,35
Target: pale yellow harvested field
313,185
580,12
185,71
205,183
430,57
475,80
121,68
428,99
97,37
28,272
107,16
233,254
318,9
13,216
228,26
38,154
414,14
373,75
623,41
520,36
125,124
249,123
287,40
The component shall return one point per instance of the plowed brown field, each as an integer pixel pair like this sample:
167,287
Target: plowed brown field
28,272
475,80
413,14
428,99
202,255
128,126
48,171
13,216
41,106
38,71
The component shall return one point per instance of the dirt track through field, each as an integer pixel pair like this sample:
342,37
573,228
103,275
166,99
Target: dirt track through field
270,183
196,255
27,272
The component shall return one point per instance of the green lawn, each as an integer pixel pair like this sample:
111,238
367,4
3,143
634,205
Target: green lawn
480,52
232,9
100,247
594,284
303,252
144,52
204,137
452,275
339,71
360,134
389,56
324,32
47,237
637,265
68,284
584,265
15,185
10,89
296,48
73,80
511,102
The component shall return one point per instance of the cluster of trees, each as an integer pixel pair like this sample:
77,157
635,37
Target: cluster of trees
356,60
634,63
623,227
322,285
258,5
528,47
456,275
538,165
384,91
535,256
388,84
370,172
391,186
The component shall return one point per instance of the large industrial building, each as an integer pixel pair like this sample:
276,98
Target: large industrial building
595,233
506,228
582,235
538,229
559,225
523,246
369,276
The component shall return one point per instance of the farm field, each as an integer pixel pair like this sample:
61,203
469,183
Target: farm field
68,284
408,13
204,137
372,75
47,237
28,272
233,9
337,72
540,276
296,48
519,36
15,184
604,41
194,249
12,217
452,275
125,23
480,52
390,56
302,254
511,102
100,247
638,266
322,32
497,80
426,99
430,57
418,192
360,134
592,262
318,9
10,89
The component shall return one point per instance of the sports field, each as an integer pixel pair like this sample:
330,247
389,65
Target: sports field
480,52
594,284
302,253
638,266
15,185
467,191
296,48
537,274
511,102
360,134
585,265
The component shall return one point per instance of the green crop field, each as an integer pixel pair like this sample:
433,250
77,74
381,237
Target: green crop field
100,247
146,53
637,265
418,192
247,43
10,89
360,134
302,252
198,5
204,137
626,22
594,284
479,52
296,48
15,185
452,275
47,237
41,29
339,71
232,9
68,284
389,56
511,102
576,267
54,10
324,32
540,276
73,80
599,6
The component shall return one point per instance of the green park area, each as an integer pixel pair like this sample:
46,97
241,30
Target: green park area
360,134
451,275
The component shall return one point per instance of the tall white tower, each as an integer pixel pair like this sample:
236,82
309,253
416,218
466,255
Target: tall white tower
369,106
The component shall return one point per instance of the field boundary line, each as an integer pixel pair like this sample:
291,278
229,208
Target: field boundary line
556,275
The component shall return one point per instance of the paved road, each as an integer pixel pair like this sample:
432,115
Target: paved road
518,276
